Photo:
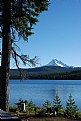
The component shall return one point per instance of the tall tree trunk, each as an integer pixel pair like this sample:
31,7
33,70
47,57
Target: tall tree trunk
5,62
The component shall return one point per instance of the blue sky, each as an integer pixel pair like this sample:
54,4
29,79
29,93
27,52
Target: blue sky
57,34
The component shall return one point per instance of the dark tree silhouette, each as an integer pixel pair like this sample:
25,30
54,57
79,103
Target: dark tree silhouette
16,16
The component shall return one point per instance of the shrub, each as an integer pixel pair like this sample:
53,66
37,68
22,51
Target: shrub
13,109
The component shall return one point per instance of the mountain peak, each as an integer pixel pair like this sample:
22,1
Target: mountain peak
56,62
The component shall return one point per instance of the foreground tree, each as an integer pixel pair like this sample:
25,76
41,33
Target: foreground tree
57,104
47,106
71,108
16,16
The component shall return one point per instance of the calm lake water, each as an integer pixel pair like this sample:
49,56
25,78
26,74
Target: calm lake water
41,90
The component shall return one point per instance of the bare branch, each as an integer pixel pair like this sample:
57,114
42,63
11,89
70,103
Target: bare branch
24,58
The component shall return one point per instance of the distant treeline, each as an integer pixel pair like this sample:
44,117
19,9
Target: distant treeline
72,75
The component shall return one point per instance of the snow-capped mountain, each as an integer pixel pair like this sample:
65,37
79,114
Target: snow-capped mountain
56,62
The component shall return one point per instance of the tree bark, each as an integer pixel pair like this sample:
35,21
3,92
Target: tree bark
5,61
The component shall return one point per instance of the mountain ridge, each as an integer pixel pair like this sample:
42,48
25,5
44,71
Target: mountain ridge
55,62
50,71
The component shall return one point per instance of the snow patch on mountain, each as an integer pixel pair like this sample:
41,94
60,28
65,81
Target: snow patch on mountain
59,64
56,62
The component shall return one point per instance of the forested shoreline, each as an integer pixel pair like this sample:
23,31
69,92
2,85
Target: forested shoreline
72,75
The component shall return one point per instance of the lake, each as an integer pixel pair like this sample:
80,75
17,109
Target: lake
41,90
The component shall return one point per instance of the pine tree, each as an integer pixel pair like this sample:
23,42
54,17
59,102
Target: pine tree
57,104
16,16
47,106
71,107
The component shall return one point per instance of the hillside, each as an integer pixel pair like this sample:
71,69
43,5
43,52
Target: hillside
47,72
